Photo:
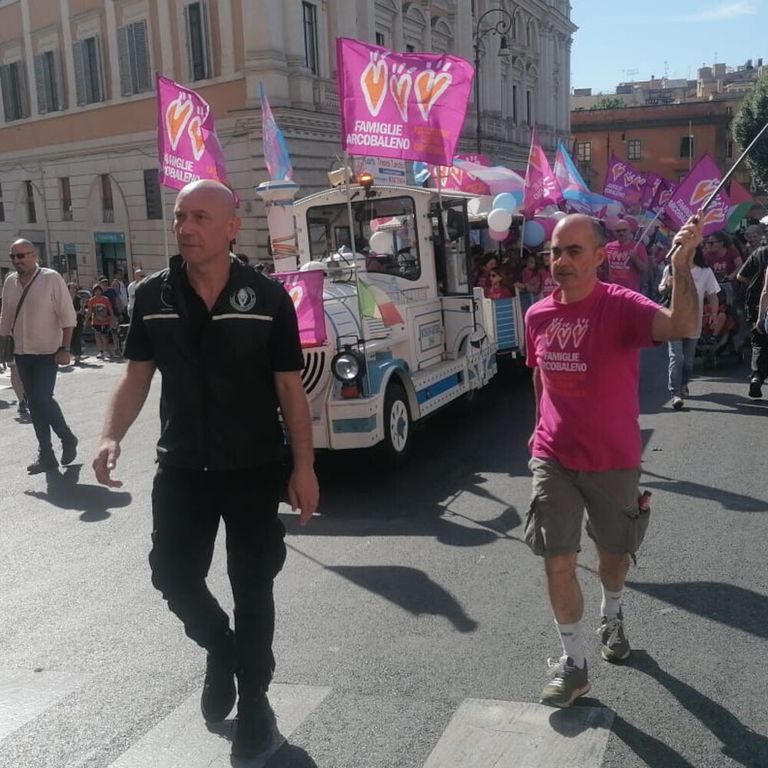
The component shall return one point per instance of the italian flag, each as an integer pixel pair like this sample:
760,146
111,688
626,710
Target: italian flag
376,303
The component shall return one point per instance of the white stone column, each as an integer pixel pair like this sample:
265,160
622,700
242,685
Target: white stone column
66,55
114,61
263,36
166,40
227,38
29,59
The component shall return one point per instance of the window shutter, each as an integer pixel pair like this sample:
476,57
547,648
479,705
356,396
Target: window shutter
5,84
141,43
42,100
58,81
124,58
188,28
207,52
23,92
97,75
78,56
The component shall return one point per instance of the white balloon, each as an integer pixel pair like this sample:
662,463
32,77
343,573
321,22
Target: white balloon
559,215
474,206
381,242
499,219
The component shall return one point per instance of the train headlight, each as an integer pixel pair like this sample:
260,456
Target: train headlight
347,366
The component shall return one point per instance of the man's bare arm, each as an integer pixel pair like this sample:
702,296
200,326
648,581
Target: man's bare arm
125,405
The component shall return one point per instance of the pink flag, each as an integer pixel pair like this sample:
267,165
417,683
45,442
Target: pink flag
306,290
691,193
406,105
626,184
454,177
652,184
541,187
187,146
663,194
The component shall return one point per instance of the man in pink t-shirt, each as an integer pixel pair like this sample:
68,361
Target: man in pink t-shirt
626,260
583,344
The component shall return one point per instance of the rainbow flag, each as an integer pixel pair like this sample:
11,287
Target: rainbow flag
275,151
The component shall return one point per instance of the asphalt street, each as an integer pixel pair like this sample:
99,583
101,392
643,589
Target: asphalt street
413,628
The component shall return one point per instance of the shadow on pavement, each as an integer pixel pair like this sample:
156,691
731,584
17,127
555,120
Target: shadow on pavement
92,501
733,501
725,603
409,588
740,743
290,756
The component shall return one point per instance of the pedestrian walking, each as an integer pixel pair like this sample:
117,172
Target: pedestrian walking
583,344
138,276
752,276
225,339
682,352
37,312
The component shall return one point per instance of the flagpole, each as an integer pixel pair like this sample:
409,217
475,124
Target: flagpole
165,228
352,244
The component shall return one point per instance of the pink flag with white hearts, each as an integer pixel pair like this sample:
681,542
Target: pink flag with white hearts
406,105
187,146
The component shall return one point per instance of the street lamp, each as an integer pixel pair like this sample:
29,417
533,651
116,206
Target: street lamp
501,28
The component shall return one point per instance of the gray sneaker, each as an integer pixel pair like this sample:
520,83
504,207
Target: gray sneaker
615,646
567,684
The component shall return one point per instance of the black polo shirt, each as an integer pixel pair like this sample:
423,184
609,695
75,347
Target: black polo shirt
218,406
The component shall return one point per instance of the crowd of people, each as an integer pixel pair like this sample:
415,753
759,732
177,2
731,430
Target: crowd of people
729,273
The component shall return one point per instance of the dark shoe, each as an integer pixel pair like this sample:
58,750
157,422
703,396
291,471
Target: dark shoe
45,461
219,692
755,388
23,408
677,402
613,639
68,450
567,684
255,726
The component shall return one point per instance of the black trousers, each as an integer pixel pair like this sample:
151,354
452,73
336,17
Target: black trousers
186,508
759,365
38,375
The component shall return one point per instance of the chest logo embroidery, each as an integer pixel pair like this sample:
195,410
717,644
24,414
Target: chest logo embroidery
563,332
243,300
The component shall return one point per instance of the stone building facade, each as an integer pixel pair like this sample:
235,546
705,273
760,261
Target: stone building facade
78,156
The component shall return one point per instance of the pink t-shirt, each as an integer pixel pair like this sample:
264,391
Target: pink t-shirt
621,270
589,359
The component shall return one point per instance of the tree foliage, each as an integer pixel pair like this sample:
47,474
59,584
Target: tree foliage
749,120
609,102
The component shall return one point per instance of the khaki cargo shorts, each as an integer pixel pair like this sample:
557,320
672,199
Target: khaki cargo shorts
560,497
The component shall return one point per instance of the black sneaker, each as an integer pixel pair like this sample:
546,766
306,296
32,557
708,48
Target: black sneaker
613,639
23,408
68,450
219,692
44,462
567,684
755,389
255,726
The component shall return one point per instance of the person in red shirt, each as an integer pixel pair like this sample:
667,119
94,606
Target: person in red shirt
626,260
722,257
495,288
101,315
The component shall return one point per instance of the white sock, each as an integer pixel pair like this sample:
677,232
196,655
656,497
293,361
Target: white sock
610,607
573,642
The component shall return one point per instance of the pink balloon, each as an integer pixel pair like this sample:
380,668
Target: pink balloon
497,235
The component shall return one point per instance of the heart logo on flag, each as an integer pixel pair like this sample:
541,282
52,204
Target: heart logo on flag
373,81
703,190
617,171
400,85
195,132
176,117
429,87
714,215
296,293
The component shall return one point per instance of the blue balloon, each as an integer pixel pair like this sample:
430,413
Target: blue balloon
507,201
533,234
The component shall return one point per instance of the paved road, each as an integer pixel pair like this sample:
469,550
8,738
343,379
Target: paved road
412,628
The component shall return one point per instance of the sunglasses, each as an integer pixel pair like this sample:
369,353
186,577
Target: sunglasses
20,255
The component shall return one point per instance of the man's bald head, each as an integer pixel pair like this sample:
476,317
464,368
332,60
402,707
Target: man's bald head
22,244
582,222
212,190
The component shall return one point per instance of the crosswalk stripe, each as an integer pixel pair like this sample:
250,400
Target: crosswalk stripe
25,694
182,740
508,734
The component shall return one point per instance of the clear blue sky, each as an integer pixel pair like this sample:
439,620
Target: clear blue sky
621,41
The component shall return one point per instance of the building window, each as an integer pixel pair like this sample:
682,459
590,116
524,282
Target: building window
381,39
29,194
514,104
310,36
2,205
14,85
528,108
410,48
133,52
47,80
152,194
584,152
634,151
66,199
107,203
198,54
686,146
729,150
88,78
